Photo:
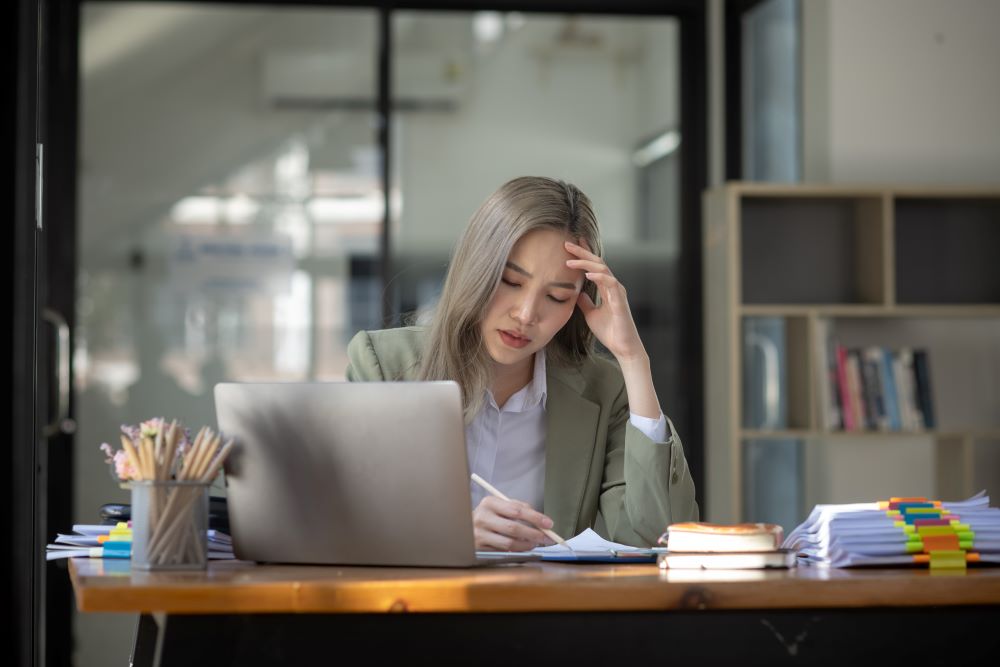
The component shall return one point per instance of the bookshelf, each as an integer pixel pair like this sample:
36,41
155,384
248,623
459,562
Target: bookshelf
876,266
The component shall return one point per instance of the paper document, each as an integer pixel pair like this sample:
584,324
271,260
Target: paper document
588,545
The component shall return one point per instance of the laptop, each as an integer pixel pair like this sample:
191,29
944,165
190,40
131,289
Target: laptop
350,473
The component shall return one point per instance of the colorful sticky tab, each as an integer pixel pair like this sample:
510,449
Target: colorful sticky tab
934,543
121,532
950,559
114,549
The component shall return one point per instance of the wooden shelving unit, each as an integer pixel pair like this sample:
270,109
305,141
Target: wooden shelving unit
889,266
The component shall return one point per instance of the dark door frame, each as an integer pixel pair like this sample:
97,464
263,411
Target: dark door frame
19,133
60,36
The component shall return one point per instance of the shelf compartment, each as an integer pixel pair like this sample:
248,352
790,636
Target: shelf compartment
775,373
946,250
813,250
964,359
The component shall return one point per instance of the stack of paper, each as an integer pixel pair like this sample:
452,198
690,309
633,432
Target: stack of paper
900,531
709,546
106,541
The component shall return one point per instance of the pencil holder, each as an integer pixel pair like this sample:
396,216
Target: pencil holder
169,525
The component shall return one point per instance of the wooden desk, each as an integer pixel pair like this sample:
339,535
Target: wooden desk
238,613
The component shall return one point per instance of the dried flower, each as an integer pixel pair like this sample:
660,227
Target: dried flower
120,467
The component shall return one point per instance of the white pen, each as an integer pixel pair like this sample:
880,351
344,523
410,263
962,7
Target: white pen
499,494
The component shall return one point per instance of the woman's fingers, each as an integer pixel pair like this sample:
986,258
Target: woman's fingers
581,250
588,265
609,287
508,525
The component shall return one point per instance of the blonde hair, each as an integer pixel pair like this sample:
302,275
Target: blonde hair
454,347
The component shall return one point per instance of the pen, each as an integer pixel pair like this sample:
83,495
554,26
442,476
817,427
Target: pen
494,491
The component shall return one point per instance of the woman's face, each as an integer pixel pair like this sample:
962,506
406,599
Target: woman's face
535,298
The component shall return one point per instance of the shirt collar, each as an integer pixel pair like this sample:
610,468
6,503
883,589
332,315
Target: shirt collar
538,387
530,395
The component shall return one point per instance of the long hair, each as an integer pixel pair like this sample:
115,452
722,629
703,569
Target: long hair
454,348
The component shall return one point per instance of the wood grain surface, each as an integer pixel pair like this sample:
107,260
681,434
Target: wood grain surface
240,587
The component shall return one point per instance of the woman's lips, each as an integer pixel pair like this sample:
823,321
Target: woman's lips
513,340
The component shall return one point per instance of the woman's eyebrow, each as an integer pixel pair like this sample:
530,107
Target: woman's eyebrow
514,267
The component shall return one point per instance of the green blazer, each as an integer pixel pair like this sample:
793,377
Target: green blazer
600,471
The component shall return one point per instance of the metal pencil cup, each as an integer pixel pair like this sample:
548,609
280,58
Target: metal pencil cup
169,525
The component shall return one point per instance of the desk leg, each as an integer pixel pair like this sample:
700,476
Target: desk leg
144,649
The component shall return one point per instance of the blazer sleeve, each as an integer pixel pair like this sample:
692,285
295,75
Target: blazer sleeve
646,485
363,364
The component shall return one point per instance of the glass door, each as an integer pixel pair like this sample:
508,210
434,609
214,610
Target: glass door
229,218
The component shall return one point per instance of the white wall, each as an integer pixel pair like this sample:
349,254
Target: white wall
901,91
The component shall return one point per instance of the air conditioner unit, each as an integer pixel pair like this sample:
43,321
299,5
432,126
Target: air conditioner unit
348,80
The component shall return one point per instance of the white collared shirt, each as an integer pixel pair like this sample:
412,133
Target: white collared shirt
506,446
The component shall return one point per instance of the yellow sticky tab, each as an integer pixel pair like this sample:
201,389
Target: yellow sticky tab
908,528
935,530
950,559
121,532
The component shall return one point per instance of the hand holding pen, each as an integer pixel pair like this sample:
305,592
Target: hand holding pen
503,524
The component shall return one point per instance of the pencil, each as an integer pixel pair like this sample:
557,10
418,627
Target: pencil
499,494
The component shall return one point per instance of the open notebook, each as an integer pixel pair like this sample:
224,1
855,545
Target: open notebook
588,547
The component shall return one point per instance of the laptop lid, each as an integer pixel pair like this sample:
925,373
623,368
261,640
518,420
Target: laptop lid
351,473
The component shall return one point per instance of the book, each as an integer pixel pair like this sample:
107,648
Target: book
888,383
922,374
846,406
910,393
698,536
871,364
731,560
827,395
906,416
854,388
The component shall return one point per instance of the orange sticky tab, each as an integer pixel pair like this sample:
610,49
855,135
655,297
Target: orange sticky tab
907,500
940,543
101,539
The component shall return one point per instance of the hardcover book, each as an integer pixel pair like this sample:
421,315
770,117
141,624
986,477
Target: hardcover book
696,536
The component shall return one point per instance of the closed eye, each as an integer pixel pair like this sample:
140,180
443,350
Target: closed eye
513,284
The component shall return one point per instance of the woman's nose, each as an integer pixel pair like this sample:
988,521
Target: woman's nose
525,311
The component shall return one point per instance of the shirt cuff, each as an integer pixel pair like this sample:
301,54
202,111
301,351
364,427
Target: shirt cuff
654,429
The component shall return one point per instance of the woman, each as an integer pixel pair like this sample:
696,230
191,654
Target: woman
578,440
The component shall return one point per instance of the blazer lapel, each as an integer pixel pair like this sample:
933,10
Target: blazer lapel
571,423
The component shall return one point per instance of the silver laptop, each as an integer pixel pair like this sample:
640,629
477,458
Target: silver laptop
349,473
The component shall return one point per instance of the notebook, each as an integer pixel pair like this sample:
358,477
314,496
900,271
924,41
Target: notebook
349,473
589,547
